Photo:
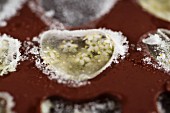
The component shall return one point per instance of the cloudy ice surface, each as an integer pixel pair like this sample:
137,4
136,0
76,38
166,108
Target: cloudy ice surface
77,12
9,8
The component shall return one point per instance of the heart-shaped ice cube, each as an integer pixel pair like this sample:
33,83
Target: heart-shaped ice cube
158,45
9,54
8,8
75,12
81,54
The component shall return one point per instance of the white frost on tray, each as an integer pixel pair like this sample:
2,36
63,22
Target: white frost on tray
9,9
9,54
9,102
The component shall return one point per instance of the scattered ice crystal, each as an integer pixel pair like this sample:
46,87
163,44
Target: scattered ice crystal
9,54
6,103
139,49
147,60
76,12
9,8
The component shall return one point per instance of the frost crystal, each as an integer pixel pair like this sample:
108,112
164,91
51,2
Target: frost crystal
8,8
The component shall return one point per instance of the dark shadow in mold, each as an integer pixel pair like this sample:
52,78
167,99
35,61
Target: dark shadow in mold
100,104
163,102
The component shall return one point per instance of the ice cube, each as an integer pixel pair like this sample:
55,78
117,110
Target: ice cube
77,12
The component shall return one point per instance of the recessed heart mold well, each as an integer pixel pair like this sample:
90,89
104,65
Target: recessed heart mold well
100,104
10,54
81,55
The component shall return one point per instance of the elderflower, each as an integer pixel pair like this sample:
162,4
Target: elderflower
52,56
83,58
68,47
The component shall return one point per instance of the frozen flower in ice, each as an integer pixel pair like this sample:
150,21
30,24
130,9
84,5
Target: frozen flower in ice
94,47
51,56
90,39
106,49
68,47
99,45
83,58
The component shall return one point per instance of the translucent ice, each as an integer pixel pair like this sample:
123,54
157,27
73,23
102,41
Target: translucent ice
71,54
77,12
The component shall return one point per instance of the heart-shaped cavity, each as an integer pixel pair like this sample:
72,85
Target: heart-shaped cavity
9,54
159,8
74,12
6,103
158,45
8,8
163,103
81,54
98,105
